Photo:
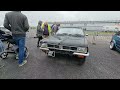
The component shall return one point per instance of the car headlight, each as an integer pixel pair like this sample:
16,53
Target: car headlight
82,49
44,45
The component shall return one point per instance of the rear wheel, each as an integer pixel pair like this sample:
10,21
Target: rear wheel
112,45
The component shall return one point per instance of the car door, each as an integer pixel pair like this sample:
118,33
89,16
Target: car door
117,39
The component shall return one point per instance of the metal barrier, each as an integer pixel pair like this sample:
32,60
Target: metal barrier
95,37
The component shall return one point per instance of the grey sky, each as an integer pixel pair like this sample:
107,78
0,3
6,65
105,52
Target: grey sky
35,16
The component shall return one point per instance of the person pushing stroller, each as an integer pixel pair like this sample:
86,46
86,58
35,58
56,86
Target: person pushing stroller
18,24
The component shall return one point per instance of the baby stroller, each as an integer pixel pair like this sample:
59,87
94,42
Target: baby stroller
3,52
13,49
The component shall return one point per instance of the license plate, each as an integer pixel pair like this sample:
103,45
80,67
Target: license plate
51,53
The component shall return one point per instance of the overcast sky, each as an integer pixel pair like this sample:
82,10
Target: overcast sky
35,16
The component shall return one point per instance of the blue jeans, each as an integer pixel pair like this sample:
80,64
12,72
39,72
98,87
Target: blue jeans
20,41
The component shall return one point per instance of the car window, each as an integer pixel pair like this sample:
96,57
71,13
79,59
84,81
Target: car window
70,31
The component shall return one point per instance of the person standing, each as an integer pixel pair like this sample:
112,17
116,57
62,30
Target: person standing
39,33
46,30
18,24
55,28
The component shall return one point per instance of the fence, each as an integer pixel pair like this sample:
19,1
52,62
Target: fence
95,37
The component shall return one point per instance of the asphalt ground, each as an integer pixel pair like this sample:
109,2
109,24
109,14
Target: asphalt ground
102,63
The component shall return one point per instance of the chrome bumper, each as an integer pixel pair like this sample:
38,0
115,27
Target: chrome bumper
46,49
75,53
82,54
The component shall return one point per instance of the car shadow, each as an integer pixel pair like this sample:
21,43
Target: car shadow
66,59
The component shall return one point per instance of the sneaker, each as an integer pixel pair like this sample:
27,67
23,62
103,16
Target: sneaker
23,63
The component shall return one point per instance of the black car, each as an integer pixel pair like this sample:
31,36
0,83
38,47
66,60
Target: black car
71,41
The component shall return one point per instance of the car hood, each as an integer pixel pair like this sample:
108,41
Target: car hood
67,41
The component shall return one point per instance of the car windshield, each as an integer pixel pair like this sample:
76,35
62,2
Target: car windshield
70,32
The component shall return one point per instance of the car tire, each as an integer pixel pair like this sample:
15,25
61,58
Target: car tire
112,45
82,61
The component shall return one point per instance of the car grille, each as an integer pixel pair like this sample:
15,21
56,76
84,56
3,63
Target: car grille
56,46
49,45
53,46
73,48
62,52
62,47
66,47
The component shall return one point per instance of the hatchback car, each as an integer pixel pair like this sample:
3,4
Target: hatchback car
115,42
71,41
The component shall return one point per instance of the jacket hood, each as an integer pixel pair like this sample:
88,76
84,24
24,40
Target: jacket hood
40,23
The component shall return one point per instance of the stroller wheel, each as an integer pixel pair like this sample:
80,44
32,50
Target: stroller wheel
4,55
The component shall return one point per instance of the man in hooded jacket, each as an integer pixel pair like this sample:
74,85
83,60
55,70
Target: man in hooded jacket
39,33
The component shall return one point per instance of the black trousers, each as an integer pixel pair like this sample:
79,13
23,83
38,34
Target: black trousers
39,38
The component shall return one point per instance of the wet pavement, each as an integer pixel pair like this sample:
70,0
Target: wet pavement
102,63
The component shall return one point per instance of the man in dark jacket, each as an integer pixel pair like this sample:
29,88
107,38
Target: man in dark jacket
17,23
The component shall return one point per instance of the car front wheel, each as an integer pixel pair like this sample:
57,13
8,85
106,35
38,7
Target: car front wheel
82,61
112,45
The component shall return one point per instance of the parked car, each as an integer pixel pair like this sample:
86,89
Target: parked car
4,32
115,42
71,41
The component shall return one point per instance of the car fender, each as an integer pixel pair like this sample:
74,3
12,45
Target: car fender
114,42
